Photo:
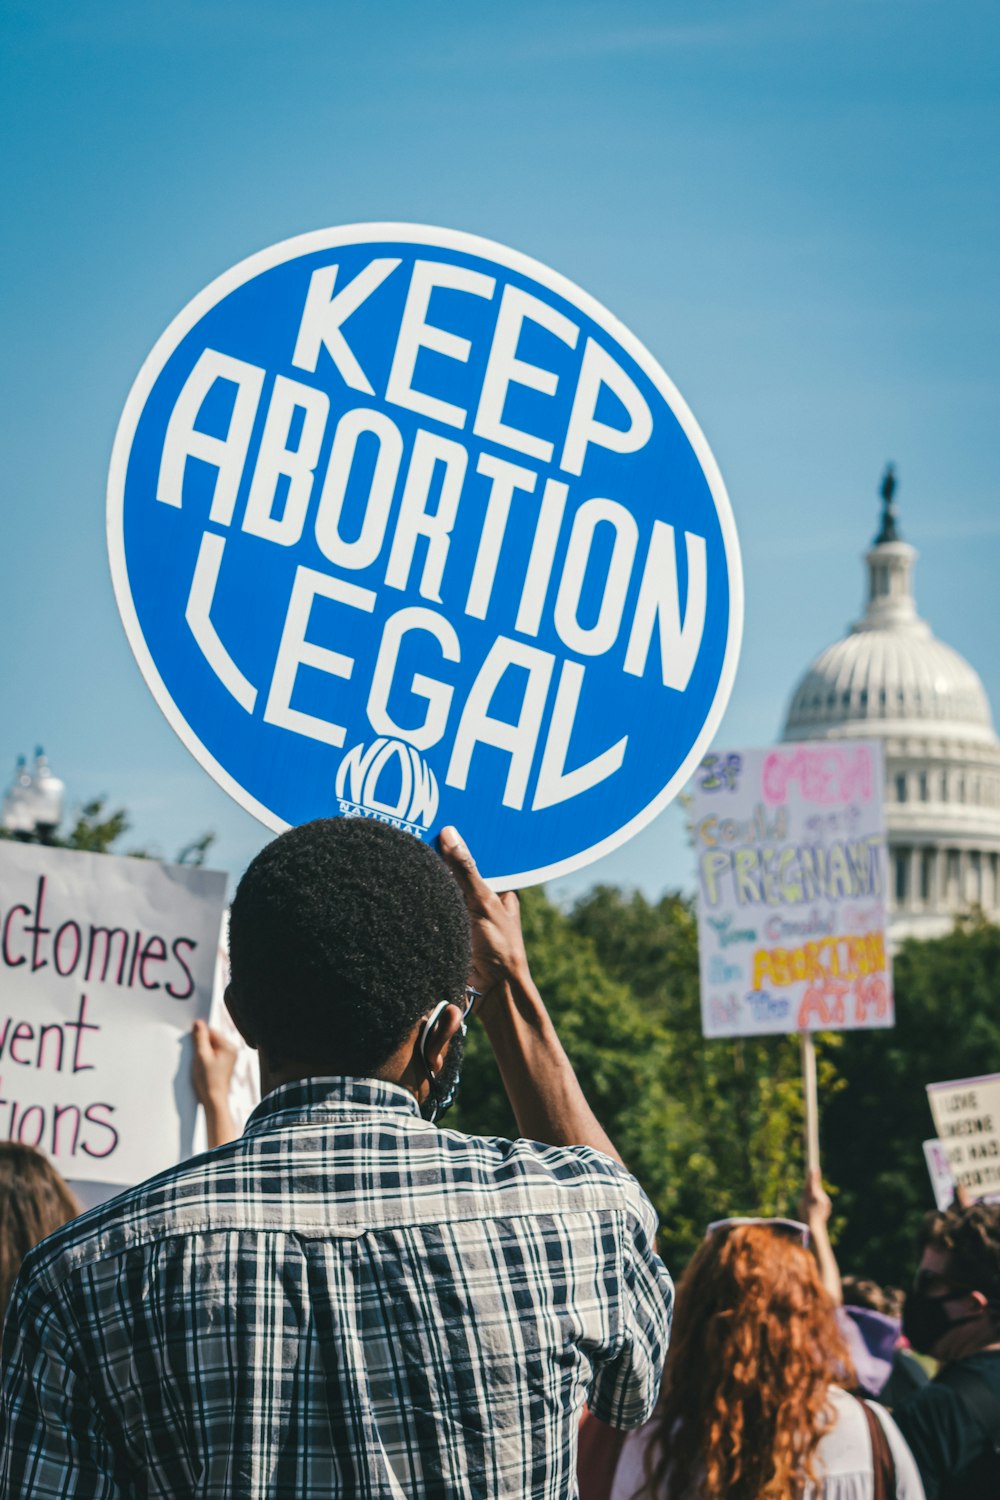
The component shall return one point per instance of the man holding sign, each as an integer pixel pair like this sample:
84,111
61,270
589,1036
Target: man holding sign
347,1300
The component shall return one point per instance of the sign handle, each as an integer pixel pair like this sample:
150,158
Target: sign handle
810,1098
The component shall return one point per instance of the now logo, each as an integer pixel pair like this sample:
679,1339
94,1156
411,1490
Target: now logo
390,781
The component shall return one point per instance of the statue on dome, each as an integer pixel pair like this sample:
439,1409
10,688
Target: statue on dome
888,531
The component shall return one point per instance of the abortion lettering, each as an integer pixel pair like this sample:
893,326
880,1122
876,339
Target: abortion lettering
405,526
792,897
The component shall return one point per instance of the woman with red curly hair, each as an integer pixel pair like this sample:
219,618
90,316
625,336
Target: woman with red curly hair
752,1405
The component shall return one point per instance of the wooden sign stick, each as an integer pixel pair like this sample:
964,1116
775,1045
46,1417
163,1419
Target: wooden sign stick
811,1099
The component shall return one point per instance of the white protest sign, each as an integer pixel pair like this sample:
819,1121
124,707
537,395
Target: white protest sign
790,844
939,1171
967,1118
104,965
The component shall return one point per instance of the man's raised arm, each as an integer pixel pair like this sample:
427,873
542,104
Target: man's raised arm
543,1089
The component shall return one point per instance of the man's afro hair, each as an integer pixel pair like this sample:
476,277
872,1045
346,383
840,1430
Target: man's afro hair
343,932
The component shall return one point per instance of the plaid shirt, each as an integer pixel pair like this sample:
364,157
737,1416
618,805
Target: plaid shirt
347,1301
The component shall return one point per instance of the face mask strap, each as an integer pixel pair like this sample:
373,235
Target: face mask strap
436,1105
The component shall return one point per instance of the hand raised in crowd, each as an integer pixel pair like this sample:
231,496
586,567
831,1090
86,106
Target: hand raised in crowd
815,1205
498,952
815,1208
212,1069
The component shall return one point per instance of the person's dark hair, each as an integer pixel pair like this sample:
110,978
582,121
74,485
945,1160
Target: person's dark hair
342,934
860,1292
34,1202
971,1239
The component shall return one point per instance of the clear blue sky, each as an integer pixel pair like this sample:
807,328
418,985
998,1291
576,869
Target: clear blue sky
793,203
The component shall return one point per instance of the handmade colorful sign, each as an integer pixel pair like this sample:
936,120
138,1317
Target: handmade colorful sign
791,854
404,525
967,1119
105,963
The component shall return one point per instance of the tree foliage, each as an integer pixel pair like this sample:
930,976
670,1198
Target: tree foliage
735,1143
709,1128
947,1027
95,829
715,1127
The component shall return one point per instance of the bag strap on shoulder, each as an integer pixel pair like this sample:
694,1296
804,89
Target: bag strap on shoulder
883,1463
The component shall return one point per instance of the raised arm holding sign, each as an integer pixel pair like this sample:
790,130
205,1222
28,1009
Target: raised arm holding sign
544,1092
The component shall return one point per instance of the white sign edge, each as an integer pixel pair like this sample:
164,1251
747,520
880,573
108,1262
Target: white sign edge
961,1083
470,244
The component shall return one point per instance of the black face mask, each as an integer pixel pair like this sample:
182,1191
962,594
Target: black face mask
925,1321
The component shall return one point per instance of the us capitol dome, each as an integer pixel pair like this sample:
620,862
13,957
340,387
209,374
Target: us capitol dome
891,679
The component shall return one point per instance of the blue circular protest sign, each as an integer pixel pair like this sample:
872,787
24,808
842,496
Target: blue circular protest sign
404,525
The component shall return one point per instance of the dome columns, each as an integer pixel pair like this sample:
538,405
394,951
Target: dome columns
890,587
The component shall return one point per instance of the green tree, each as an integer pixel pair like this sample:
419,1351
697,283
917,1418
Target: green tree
709,1128
736,1107
947,995
95,828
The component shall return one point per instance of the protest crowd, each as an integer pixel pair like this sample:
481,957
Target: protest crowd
348,1298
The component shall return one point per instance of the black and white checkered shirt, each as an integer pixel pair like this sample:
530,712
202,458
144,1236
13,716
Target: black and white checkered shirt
347,1301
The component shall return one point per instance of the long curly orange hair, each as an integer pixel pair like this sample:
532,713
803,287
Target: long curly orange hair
754,1351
